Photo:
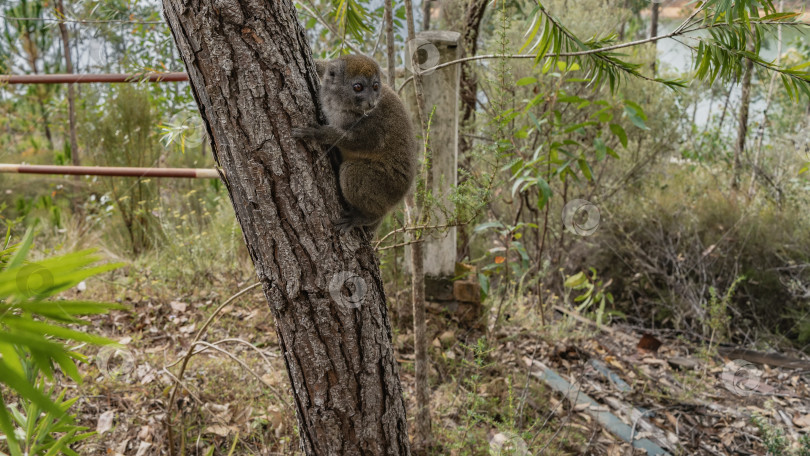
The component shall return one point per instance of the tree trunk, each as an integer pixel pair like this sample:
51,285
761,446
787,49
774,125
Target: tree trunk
623,25
422,437
768,99
469,84
415,204
725,110
41,92
74,143
426,11
742,125
389,42
253,78
468,93
656,9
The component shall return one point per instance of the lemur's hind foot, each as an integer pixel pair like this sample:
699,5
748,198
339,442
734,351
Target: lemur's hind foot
353,218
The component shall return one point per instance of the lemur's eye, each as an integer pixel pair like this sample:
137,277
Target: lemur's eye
332,73
376,86
358,87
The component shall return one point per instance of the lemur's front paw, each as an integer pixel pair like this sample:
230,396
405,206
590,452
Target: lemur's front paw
344,224
306,132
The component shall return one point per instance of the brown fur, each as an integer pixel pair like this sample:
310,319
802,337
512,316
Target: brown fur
360,67
374,134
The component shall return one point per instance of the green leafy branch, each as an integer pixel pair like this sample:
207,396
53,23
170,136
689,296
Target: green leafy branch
724,55
593,294
604,65
311,10
349,15
730,25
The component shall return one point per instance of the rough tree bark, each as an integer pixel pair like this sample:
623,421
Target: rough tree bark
389,42
426,12
253,78
473,15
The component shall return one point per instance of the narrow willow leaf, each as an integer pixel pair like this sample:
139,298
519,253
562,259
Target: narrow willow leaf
601,149
533,28
618,130
526,81
545,192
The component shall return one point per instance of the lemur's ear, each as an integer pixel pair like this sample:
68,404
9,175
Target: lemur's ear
320,67
328,68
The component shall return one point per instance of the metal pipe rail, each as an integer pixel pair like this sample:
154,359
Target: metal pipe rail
68,78
190,173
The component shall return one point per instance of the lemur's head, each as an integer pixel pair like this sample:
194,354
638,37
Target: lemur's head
356,79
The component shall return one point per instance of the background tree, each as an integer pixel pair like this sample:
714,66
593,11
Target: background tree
71,97
32,42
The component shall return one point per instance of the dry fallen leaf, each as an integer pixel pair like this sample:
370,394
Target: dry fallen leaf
614,450
802,421
671,418
655,361
649,343
142,447
218,429
156,349
145,433
447,337
105,421
612,361
187,329
275,418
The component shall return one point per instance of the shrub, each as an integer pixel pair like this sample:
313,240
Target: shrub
667,243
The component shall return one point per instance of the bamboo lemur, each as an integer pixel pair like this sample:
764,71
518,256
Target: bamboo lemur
368,123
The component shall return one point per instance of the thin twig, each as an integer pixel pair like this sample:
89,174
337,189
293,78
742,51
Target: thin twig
187,357
261,353
401,244
419,228
243,364
180,382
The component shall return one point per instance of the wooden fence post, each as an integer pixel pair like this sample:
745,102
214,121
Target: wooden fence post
441,92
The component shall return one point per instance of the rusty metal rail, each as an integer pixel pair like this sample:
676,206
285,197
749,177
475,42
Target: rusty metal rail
191,173
88,78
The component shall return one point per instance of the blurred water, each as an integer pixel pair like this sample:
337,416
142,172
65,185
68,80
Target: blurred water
675,57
